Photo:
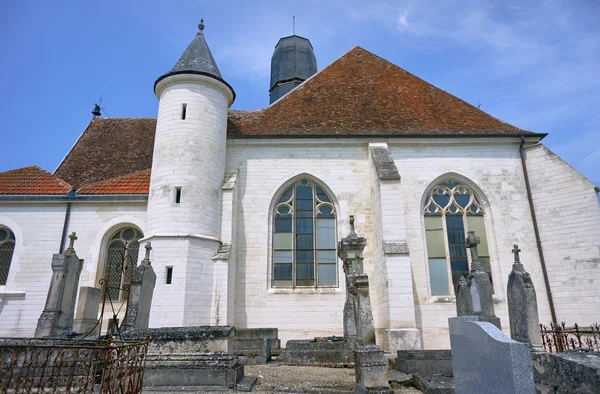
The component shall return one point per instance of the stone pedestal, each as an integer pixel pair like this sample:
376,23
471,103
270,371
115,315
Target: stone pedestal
57,317
522,306
143,280
370,366
365,328
86,316
190,356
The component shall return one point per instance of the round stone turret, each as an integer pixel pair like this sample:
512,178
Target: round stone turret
183,219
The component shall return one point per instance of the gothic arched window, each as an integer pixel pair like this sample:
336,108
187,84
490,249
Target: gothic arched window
121,258
451,210
304,238
7,248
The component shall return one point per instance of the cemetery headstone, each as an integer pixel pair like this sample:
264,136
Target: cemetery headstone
58,314
143,280
86,316
484,360
522,306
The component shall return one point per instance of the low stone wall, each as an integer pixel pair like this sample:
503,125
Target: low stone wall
566,373
424,362
326,354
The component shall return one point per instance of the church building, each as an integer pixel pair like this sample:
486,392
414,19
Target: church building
244,209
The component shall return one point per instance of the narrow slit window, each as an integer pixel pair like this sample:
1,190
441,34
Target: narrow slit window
183,111
169,275
177,195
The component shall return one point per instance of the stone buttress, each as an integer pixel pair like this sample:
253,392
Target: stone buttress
184,204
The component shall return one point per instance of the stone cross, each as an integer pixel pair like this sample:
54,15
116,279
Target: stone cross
148,247
72,239
516,251
522,306
472,242
480,286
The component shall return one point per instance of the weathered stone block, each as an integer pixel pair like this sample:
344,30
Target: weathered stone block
186,340
370,366
567,373
424,362
484,360
86,316
306,352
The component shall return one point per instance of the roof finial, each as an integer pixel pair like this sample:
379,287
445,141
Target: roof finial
294,25
201,25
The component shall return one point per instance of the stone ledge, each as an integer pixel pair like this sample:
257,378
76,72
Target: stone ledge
395,247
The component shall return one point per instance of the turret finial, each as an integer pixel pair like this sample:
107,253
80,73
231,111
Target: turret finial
201,25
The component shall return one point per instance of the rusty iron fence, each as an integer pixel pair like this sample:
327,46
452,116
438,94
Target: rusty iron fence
558,338
71,366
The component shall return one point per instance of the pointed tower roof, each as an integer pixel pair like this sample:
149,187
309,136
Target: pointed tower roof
197,59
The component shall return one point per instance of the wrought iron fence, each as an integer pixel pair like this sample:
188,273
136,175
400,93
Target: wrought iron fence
71,366
559,338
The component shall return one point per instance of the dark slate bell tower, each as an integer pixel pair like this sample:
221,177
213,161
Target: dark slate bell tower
292,63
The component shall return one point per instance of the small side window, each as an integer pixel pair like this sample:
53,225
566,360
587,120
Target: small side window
177,195
169,278
183,111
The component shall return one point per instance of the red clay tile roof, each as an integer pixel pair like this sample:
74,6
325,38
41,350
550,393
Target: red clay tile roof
359,94
109,148
363,94
31,180
134,183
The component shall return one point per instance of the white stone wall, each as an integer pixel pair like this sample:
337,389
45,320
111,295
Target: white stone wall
493,169
568,214
38,228
266,168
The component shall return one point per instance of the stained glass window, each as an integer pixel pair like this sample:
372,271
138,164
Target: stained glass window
7,248
121,259
304,238
451,210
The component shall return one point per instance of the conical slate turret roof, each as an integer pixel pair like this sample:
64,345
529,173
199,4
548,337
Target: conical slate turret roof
197,59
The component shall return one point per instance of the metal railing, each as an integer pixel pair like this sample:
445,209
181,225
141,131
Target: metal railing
71,366
559,338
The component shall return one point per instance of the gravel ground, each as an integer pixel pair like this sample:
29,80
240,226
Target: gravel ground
277,378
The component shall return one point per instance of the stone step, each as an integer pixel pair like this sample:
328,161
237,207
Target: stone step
247,383
434,384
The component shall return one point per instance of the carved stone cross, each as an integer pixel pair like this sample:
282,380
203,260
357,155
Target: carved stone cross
148,247
516,251
72,238
472,242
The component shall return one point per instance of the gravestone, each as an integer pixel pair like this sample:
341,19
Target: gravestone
350,251
86,316
57,317
480,286
522,306
464,303
143,280
484,360
370,365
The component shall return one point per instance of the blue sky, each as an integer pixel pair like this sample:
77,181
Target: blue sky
534,64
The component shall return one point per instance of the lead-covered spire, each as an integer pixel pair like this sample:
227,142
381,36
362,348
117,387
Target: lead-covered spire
197,59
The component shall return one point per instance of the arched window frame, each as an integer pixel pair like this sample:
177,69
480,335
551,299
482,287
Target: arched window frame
445,235
120,255
8,243
323,207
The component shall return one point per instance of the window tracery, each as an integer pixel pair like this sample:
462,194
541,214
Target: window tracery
7,249
304,238
121,258
451,210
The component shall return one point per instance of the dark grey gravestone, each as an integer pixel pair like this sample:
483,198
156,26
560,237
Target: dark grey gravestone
522,306
484,360
86,316
464,302
480,285
58,315
143,280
